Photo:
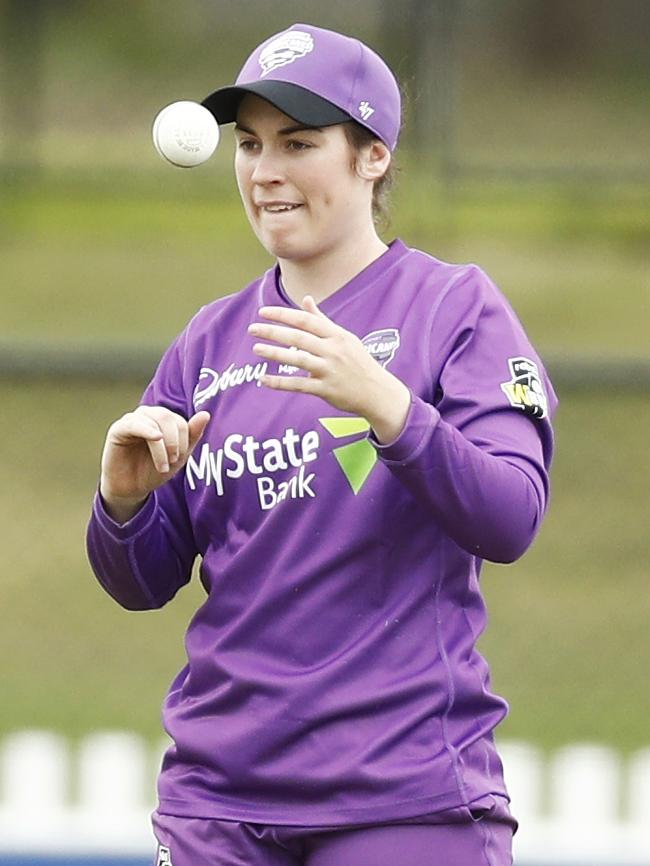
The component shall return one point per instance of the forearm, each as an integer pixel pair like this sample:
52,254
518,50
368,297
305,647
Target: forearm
135,561
385,406
121,509
489,505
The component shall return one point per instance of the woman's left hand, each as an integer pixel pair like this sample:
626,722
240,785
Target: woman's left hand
340,369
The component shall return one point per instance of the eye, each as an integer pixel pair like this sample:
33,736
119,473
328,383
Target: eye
293,144
247,144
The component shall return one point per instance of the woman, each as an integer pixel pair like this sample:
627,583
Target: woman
358,428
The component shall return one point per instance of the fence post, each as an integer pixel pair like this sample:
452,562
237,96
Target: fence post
522,768
35,782
638,789
112,773
585,785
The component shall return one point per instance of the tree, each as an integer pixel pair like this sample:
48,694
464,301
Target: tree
418,39
22,44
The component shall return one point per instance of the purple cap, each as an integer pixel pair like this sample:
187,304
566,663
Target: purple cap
319,78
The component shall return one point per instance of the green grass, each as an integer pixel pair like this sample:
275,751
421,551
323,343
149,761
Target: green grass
130,258
568,640
78,661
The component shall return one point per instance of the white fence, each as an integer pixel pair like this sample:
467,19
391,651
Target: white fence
582,805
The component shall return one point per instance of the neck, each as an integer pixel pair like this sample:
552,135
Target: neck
321,276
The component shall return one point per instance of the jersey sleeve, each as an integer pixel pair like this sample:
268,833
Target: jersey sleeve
145,561
477,453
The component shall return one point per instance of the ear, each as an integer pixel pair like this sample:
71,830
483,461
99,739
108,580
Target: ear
373,161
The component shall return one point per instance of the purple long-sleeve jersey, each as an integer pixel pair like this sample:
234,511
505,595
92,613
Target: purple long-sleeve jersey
332,674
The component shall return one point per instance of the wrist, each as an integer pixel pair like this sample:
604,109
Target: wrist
121,508
389,409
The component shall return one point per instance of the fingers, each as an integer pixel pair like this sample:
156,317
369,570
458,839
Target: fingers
196,427
303,332
144,449
179,437
165,452
183,441
134,425
286,335
309,304
159,455
299,384
316,323
291,357
167,434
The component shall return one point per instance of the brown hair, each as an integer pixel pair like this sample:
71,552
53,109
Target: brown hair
359,137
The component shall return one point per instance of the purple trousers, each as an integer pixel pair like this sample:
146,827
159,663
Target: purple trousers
478,835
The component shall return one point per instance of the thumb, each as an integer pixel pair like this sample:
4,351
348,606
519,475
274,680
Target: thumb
196,426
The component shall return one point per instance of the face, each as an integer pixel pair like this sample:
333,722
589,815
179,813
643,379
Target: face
301,192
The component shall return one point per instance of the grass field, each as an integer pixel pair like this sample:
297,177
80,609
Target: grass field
76,253
116,257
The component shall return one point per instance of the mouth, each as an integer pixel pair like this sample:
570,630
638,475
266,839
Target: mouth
278,207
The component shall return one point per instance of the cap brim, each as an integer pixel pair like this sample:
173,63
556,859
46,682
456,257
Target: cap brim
296,102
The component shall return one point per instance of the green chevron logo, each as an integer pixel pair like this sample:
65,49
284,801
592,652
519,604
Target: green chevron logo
357,458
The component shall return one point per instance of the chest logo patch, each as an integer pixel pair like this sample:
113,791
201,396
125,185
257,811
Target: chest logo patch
382,344
356,458
211,382
285,49
525,390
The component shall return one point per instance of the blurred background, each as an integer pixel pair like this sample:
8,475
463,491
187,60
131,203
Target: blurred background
525,149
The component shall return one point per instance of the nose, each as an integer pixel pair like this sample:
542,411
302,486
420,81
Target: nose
267,168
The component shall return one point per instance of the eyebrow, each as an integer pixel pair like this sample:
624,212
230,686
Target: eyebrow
286,130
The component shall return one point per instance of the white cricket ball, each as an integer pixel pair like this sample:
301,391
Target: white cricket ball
185,133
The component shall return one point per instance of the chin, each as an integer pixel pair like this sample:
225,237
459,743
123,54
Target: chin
286,248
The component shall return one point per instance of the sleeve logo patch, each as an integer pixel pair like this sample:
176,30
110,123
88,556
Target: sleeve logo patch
164,857
525,390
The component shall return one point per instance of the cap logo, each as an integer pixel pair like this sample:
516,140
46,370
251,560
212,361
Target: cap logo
285,49
365,110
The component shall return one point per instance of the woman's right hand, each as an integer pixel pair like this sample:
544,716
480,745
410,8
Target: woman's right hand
144,449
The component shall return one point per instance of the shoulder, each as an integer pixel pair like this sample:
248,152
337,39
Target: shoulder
224,311
458,291
215,324
468,276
